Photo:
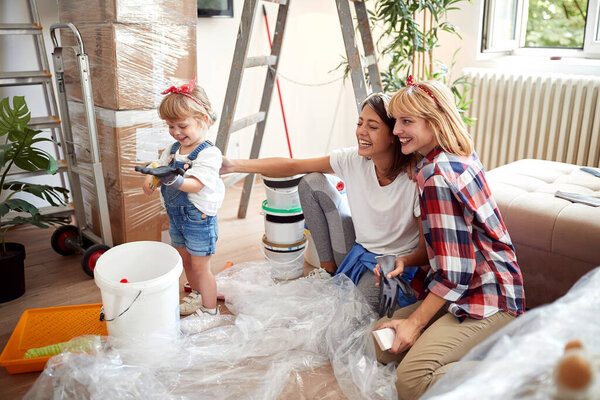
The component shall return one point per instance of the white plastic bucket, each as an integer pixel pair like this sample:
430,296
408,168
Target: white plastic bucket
282,193
311,256
148,304
287,262
283,226
284,198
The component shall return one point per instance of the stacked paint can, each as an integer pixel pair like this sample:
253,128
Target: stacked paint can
284,241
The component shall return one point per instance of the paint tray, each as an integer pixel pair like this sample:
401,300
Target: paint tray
40,327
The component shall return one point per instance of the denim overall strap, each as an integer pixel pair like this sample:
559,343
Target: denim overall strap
177,198
194,154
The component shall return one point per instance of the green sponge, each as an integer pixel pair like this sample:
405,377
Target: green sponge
78,345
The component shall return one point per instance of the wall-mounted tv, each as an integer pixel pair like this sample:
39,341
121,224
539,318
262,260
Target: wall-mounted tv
215,8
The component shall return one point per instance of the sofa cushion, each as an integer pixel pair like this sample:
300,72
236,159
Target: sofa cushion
548,230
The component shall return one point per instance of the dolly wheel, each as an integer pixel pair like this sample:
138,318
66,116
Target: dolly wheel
91,256
59,239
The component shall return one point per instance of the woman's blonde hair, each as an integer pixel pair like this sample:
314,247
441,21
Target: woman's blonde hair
177,106
441,114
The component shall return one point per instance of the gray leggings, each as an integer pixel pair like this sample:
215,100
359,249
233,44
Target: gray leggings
328,218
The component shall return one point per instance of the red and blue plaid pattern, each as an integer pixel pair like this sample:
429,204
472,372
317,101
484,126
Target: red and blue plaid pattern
472,261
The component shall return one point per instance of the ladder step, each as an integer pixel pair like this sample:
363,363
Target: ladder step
20,29
282,2
82,171
247,121
19,174
260,61
23,78
232,179
43,122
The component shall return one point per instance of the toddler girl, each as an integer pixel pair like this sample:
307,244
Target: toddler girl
192,200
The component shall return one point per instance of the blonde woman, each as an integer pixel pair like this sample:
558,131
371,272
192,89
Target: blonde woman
472,285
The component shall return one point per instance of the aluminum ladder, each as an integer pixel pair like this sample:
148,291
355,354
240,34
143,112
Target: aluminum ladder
43,78
241,61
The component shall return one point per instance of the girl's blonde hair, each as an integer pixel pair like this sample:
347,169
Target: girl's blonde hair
177,106
441,114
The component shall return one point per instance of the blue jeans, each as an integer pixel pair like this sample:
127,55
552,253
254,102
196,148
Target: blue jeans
192,229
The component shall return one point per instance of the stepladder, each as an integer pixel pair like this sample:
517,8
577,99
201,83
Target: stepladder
74,170
358,62
35,85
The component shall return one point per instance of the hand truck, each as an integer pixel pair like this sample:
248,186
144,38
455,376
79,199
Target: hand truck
69,239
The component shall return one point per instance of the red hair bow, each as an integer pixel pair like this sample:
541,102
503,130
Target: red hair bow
184,89
411,82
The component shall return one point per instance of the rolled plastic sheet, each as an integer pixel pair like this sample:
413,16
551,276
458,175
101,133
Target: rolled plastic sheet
286,340
519,361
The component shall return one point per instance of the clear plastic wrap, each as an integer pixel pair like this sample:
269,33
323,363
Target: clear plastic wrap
519,361
286,340
129,11
131,64
126,139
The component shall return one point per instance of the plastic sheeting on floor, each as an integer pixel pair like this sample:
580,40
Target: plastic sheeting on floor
518,361
285,341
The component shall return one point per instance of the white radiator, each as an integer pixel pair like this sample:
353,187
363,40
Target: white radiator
551,117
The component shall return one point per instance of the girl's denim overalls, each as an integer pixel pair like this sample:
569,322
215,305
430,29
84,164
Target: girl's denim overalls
188,226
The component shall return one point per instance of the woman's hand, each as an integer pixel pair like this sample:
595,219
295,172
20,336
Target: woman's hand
226,167
398,270
406,334
148,190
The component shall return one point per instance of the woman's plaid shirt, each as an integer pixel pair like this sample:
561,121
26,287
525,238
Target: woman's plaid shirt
472,261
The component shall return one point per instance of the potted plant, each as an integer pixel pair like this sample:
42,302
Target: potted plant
19,148
409,39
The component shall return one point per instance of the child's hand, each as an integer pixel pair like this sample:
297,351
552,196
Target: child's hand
147,186
227,167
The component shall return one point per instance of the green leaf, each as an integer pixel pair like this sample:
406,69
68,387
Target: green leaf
15,117
18,205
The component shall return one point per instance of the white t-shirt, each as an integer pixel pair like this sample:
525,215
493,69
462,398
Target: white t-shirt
205,168
383,216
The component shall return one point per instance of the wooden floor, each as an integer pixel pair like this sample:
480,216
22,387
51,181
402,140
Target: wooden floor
55,280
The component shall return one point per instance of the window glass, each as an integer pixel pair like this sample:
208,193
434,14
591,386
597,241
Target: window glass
556,23
504,15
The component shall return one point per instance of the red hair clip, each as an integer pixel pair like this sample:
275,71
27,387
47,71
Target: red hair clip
184,90
411,82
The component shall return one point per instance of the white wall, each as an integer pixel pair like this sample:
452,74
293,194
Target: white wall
312,47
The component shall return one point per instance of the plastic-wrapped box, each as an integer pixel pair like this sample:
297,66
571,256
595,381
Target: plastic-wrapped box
126,139
129,11
130,65
133,215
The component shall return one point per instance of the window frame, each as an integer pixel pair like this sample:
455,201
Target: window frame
591,44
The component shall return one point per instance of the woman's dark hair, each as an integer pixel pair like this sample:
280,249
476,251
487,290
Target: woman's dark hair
402,162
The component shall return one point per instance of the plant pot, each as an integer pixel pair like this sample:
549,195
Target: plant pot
12,272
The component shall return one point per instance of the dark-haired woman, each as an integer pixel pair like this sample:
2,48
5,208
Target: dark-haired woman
381,210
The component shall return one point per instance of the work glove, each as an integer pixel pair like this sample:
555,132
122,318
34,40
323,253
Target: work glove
168,176
389,287
388,293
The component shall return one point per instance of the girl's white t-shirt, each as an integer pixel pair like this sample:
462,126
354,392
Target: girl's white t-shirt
384,217
205,168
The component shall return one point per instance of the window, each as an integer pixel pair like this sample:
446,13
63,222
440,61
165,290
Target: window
555,27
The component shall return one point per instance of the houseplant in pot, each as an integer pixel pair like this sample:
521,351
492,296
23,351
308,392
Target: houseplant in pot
19,148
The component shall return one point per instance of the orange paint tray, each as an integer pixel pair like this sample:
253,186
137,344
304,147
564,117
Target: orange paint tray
40,327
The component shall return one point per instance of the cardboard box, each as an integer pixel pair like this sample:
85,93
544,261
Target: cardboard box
133,215
179,12
126,139
130,65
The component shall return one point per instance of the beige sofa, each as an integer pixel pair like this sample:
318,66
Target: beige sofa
556,241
